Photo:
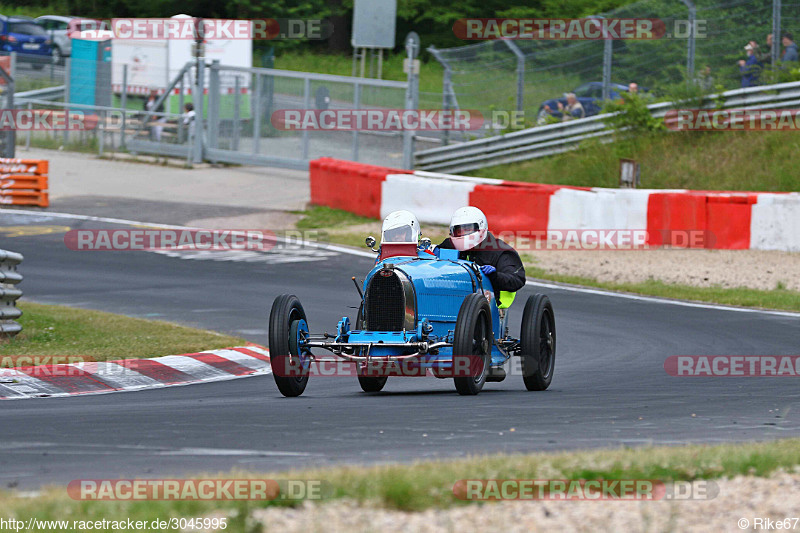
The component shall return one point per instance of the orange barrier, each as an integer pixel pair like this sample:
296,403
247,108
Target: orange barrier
24,182
724,217
531,206
354,187
728,220
516,206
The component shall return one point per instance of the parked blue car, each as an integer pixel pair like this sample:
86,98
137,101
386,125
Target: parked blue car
590,95
418,313
27,38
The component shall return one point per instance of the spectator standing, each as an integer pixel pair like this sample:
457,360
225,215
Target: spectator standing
573,109
750,68
764,55
150,105
789,48
705,80
189,120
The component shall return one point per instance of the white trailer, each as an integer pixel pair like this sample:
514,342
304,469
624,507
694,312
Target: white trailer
154,63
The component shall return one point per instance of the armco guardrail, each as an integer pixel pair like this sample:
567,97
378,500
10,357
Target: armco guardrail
9,293
48,93
556,138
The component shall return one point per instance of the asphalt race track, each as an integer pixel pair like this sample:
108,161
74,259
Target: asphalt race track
610,387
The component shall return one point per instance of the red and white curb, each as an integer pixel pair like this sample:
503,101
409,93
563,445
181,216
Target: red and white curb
47,381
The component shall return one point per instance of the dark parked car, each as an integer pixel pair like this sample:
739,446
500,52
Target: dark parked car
27,38
590,95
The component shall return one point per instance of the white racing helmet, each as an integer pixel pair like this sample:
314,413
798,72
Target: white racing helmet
468,228
400,226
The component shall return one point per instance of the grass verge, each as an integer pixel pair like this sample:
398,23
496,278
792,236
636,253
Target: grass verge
59,330
426,485
86,146
342,227
737,161
320,216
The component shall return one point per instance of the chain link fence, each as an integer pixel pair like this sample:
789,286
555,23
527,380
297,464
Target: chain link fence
234,122
520,75
250,98
32,71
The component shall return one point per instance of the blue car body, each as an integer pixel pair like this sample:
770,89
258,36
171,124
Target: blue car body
25,37
421,313
409,310
433,291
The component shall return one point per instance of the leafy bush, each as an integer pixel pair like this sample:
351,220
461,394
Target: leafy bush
632,115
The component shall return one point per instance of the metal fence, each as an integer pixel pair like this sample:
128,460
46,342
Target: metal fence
9,293
553,139
242,102
33,71
8,139
525,73
232,123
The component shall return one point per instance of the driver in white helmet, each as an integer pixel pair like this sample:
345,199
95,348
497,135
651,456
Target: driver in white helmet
400,226
470,235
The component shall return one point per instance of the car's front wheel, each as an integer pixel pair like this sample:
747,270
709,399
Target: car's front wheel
472,342
367,383
287,329
371,384
58,56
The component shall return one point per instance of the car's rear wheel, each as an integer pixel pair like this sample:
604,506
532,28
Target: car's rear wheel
368,383
473,338
287,328
538,343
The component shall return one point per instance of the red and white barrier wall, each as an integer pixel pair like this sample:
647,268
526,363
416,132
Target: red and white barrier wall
731,220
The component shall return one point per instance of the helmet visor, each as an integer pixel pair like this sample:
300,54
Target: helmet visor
461,230
399,234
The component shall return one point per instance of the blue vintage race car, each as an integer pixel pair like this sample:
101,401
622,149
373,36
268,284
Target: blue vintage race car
420,314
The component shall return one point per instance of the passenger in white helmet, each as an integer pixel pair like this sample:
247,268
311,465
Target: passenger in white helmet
470,235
